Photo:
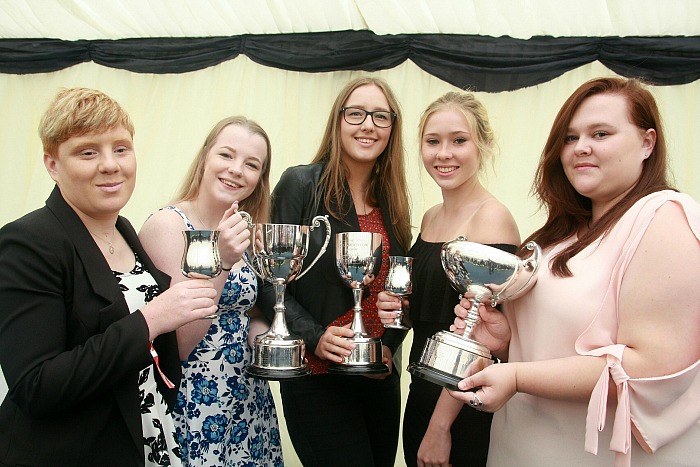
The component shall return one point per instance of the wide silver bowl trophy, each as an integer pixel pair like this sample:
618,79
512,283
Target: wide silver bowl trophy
491,274
358,257
200,259
399,284
276,255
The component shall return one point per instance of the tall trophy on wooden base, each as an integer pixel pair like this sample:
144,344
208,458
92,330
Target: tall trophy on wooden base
491,274
358,257
276,256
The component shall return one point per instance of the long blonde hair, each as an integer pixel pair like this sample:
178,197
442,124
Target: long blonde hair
388,179
258,203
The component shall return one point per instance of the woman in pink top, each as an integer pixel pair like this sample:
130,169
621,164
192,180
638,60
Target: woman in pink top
605,348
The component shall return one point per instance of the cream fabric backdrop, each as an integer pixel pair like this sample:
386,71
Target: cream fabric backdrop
173,113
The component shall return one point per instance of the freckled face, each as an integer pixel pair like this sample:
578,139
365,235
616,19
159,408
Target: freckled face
362,144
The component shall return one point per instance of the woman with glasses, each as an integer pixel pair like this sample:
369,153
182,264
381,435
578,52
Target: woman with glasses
357,178
456,143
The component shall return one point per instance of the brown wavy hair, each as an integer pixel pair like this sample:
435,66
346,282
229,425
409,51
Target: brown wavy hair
258,203
388,179
569,211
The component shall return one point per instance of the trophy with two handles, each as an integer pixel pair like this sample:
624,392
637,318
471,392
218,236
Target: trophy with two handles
492,275
276,255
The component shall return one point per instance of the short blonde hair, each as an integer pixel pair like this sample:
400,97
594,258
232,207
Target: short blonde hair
78,111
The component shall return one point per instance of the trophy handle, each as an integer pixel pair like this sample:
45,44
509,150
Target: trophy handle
316,222
249,220
530,264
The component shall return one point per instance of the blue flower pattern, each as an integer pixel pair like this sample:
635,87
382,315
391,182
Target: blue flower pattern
222,416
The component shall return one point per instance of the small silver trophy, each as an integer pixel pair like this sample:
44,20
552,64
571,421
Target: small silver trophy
200,259
491,274
398,284
358,257
276,255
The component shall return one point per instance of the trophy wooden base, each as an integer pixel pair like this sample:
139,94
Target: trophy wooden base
275,374
367,369
438,377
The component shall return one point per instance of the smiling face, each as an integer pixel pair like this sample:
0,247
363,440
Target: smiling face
449,152
604,153
234,165
96,172
362,144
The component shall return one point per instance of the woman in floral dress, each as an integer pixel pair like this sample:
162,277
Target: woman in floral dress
223,417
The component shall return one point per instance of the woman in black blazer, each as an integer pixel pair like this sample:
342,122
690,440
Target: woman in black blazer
86,337
358,180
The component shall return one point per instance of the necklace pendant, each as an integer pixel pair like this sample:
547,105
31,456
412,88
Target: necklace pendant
111,249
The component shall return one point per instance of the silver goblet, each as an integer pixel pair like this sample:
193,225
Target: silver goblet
489,273
276,255
200,259
358,257
399,284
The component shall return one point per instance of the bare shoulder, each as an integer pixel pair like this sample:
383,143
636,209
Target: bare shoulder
162,224
494,223
429,216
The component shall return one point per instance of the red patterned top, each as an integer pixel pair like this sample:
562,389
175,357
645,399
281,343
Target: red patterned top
371,222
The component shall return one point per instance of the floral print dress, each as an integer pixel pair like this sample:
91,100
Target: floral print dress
223,417
160,443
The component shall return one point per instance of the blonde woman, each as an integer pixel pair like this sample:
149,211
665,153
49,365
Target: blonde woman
223,417
456,144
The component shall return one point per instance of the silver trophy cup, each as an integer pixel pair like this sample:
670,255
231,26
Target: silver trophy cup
358,257
200,259
398,284
491,274
276,255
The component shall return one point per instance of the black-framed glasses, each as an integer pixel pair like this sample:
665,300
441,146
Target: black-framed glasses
356,116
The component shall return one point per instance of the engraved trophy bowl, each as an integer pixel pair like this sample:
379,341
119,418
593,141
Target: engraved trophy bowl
399,284
491,274
276,255
200,258
358,257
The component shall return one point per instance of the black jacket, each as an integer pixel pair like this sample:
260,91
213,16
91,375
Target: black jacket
320,296
70,350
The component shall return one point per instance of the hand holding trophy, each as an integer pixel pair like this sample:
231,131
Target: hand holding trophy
277,255
489,273
398,284
358,257
200,259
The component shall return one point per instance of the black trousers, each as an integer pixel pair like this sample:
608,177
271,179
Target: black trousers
340,420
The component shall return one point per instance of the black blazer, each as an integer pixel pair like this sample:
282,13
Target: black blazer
320,296
70,350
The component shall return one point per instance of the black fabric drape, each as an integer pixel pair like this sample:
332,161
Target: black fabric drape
479,63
